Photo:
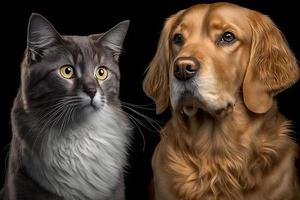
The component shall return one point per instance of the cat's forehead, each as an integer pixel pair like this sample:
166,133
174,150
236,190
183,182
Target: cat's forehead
83,48
80,43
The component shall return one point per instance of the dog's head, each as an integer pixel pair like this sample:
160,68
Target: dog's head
209,53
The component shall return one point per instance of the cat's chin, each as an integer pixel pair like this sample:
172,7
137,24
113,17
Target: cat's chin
95,105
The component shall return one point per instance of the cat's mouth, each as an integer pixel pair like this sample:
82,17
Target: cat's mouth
93,104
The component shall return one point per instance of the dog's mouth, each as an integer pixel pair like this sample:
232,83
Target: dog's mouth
189,109
191,106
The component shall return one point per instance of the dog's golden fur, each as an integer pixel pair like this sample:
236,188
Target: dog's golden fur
246,152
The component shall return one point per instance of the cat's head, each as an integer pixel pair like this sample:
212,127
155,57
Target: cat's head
59,72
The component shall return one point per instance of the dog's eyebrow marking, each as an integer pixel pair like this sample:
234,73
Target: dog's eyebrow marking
177,21
217,24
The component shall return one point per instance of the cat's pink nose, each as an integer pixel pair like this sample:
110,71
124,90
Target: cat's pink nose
91,91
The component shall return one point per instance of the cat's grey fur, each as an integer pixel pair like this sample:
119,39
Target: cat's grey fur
66,143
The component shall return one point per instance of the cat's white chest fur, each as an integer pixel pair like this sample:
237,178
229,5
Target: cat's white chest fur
87,161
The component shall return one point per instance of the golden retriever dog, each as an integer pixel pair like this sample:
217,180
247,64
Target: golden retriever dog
218,67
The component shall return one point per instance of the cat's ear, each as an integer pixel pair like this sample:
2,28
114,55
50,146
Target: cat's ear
40,36
114,38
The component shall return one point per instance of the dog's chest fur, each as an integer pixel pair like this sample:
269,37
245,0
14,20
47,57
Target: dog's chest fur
235,171
87,161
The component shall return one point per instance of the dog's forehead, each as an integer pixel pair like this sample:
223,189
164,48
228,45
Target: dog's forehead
217,13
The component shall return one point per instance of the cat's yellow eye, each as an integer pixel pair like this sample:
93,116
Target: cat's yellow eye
101,73
67,71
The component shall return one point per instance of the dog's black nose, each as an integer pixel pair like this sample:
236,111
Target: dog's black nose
185,68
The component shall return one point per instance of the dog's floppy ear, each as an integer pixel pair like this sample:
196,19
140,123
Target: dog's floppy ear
156,82
272,67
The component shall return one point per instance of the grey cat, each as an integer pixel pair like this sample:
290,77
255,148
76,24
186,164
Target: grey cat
70,135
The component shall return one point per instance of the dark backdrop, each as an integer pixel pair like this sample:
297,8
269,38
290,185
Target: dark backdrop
86,17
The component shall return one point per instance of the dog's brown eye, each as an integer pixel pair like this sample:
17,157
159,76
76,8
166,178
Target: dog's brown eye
178,39
227,38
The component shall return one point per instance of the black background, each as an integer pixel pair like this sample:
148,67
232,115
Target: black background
87,17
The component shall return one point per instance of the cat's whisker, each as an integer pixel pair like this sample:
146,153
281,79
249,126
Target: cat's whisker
68,116
154,124
143,106
51,121
57,120
64,118
61,119
48,123
60,102
139,121
44,118
51,108
133,120
57,109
